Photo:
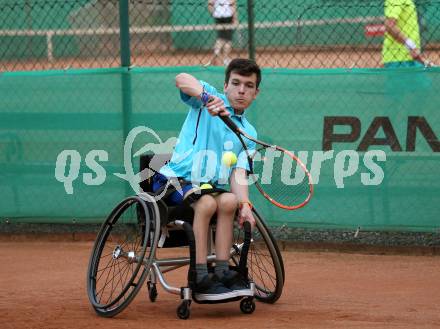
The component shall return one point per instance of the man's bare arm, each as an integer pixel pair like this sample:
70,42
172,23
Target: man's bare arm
189,84
240,188
392,28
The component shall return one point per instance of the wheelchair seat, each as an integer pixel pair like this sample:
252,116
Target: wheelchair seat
149,165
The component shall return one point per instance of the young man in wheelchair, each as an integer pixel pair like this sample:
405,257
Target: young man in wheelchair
197,159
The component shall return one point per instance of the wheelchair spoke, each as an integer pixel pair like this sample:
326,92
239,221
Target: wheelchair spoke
261,260
265,267
117,272
108,280
117,267
103,270
264,273
122,272
98,292
108,254
112,280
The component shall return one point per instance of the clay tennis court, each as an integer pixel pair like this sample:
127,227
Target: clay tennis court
43,285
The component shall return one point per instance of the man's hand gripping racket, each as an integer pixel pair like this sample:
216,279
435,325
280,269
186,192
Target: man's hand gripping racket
271,169
422,59
426,62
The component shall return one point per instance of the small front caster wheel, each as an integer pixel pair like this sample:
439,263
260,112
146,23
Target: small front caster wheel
152,291
183,311
247,305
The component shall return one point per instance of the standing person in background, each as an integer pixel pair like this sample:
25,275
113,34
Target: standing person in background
401,47
224,12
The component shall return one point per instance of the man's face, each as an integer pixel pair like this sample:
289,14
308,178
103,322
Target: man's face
241,91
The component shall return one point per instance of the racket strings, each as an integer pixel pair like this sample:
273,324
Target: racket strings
289,195
281,177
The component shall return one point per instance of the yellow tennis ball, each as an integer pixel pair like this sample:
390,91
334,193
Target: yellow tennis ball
205,186
229,159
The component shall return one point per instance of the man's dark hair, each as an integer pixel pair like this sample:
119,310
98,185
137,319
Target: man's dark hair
245,67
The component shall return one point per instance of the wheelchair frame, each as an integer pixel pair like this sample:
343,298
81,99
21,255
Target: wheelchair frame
153,268
142,220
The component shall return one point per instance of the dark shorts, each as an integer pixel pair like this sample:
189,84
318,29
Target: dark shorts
177,197
174,198
224,34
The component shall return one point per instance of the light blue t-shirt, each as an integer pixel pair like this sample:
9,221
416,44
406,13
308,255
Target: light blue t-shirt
203,140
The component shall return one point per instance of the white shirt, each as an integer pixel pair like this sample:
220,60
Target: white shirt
223,9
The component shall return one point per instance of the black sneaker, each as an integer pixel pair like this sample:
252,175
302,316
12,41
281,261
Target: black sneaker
237,283
211,289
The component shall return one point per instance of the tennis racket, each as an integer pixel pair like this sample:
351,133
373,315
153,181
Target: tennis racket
276,172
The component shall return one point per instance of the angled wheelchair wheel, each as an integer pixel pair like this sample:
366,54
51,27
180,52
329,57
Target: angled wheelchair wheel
264,262
122,255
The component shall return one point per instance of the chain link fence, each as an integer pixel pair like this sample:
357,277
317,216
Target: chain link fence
51,34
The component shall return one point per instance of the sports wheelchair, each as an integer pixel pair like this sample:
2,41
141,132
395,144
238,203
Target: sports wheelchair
124,254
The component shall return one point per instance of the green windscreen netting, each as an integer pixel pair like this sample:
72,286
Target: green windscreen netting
55,34
369,137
